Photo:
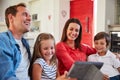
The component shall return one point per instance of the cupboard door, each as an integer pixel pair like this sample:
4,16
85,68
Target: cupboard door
83,10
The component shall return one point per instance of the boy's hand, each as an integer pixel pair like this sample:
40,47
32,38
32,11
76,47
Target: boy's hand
105,77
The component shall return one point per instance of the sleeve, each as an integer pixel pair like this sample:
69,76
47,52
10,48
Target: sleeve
40,61
63,55
6,64
116,61
91,58
88,49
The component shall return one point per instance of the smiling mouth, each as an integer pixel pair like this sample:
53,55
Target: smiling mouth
27,23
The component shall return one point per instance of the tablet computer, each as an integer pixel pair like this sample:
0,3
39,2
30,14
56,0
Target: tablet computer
86,71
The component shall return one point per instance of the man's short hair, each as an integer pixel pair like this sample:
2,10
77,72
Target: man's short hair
12,10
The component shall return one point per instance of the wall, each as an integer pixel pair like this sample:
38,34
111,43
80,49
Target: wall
110,15
3,5
52,20
64,14
50,15
49,12
104,14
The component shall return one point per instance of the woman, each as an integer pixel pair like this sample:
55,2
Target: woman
70,48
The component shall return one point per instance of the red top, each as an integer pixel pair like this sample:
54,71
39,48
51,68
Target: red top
67,56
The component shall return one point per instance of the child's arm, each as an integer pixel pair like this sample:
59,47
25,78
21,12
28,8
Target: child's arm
64,77
118,69
36,72
58,74
117,55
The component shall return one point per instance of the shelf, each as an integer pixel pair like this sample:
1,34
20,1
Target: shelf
35,26
114,27
115,40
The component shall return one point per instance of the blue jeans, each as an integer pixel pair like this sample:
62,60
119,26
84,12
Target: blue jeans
115,77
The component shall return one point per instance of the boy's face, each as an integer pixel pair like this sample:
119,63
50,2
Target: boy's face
100,45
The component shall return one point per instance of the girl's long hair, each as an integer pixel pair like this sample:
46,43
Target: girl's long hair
37,53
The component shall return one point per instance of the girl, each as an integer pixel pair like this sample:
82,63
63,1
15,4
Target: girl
43,65
111,67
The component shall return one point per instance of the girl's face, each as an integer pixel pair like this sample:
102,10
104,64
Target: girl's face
47,49
100,45
73,31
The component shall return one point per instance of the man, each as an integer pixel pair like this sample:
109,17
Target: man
14,49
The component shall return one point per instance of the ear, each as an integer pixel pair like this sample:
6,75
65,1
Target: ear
10,18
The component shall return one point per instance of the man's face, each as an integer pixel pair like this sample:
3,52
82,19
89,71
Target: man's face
21,22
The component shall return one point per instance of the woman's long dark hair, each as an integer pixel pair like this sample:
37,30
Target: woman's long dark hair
64,34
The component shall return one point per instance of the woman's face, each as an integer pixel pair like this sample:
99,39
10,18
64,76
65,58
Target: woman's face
73,31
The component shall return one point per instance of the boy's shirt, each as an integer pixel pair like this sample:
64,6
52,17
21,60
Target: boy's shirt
111,63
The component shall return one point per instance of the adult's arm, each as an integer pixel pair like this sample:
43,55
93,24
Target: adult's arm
63,55
88,49
6,63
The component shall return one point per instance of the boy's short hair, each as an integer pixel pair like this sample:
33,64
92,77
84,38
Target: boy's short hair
102,35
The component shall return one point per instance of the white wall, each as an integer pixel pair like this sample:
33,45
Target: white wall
104,14
49,14
99,15
110,13
5,3
52,9
62,15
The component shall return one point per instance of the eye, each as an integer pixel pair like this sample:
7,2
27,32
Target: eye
96,43
77,30
52,47
26,14
102,43
71,29
46,48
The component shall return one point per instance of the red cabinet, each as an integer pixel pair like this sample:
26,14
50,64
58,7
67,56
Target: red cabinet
83,10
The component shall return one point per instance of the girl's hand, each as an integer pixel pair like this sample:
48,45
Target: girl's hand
64,77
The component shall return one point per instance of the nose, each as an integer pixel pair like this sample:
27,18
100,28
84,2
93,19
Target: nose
73,32
29,17
50,51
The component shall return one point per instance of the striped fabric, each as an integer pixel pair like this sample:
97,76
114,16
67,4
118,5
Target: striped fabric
49,71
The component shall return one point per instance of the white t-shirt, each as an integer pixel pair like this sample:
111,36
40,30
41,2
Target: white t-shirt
111,63
22,70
